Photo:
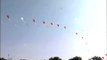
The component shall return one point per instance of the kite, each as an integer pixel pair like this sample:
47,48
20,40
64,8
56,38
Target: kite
43,22
51,23
86,43
76,33
106,54
8,17
58,25
33,20
82,37
22,18
102,57
65,27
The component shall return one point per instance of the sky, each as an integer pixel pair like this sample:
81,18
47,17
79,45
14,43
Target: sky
21,38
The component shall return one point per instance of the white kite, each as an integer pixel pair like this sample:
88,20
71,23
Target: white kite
22,19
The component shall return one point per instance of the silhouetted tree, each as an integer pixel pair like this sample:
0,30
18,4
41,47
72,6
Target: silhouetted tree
96,58
2,59
55,58
76,58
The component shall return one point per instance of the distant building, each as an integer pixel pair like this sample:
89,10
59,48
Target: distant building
23,59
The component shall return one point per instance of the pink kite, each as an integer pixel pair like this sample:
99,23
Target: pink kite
106,54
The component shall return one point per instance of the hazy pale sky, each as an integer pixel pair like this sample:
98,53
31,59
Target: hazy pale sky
23,38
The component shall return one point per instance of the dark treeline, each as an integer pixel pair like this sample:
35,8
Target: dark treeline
74,58
2,59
